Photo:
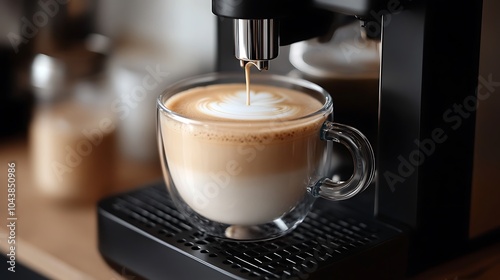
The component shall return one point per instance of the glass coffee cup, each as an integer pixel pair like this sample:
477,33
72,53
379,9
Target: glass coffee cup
253,173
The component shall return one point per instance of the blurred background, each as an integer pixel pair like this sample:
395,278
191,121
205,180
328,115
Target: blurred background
78,85
79,81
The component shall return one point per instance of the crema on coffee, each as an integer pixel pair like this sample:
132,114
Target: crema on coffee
242,164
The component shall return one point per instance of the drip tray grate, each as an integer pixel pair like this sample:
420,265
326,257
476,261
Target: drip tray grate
144,233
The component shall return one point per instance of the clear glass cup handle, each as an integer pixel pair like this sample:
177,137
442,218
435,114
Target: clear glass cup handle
363,159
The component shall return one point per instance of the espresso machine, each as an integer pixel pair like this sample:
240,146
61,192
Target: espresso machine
423,207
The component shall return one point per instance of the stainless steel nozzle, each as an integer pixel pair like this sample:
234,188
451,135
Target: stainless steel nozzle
256,41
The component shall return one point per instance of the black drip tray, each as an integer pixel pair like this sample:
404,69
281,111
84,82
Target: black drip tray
143,235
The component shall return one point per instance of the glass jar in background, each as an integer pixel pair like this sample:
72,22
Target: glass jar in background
72,133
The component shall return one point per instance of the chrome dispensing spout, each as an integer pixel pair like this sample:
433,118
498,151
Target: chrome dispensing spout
261,26
256,41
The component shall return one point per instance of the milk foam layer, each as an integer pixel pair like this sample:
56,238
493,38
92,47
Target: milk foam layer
242,170
228,102
264,106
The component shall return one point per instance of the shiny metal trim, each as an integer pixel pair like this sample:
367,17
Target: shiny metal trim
256,40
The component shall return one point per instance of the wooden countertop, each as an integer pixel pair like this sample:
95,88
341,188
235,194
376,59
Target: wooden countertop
60,241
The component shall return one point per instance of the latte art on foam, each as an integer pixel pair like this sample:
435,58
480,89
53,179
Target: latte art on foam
265,105
227,102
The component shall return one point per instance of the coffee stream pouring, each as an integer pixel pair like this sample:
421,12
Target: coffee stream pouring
260,27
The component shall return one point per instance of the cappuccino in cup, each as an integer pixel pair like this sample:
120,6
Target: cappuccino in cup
253,165
249,165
